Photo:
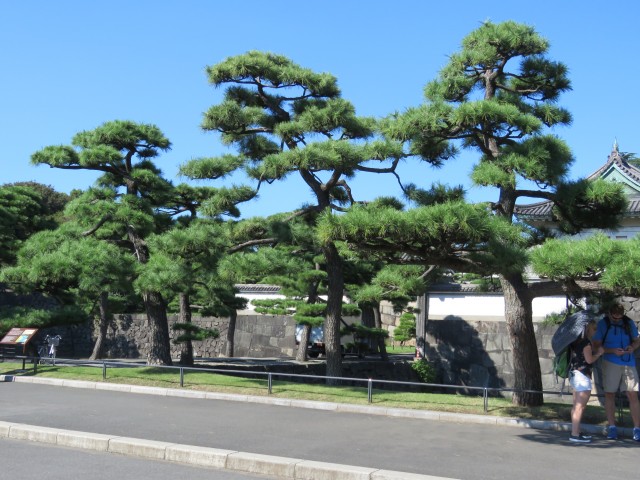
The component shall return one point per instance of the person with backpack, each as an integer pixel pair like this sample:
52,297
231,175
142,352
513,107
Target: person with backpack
583,355
618,334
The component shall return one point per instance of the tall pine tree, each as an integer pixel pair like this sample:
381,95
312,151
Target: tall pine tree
127,207
496,96
284,120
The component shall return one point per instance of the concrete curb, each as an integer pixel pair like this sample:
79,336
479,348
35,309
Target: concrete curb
284,467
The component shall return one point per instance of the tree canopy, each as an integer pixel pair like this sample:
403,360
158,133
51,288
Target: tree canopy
284,119
496,96
125,207
27,208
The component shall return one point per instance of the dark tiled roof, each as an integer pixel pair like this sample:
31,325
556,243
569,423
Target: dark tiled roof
257,288
542,210
537,210
458,288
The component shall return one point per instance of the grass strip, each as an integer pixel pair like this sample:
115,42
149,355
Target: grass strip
228,383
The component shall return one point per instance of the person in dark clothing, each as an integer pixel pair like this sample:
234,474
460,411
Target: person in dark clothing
583,355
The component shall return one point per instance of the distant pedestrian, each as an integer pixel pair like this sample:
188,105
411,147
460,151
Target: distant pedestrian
583,355
618,334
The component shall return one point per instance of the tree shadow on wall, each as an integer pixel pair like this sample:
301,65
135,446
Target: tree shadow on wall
463,354
118,344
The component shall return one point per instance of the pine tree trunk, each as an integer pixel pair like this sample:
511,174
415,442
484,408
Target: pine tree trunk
367,316
159,344
231,334
421,325
335,289
159,347
301,354
103,324
526,365
369,321
377,318
186,353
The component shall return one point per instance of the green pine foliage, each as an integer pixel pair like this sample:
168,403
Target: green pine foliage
23,317
425,370
498,96
25,211
276,306
612,265
406,330
191,332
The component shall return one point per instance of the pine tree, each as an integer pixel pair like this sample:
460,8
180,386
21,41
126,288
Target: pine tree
283,120
126,208
496,96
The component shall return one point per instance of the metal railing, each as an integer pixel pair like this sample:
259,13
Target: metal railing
484,392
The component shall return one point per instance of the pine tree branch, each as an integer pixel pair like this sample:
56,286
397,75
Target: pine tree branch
95,228
251,243
574,287
535,194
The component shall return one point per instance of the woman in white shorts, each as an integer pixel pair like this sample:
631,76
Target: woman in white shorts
582,358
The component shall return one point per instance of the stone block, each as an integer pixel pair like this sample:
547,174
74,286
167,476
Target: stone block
84,440
5,427
495,343
34,433
495,359
139,447
201,456
282,467
479,376
308,470
392,475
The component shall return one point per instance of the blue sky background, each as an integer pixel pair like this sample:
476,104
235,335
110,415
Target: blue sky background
72,65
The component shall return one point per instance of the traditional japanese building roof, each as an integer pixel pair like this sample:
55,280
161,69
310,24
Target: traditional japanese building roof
459,288
616,169
257,288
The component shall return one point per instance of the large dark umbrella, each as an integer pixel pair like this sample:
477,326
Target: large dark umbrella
570,329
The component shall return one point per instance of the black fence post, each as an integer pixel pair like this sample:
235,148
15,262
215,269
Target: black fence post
485,393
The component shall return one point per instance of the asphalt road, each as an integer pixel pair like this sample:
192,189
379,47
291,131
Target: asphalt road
449,449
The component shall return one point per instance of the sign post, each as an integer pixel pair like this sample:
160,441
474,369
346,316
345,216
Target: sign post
16,340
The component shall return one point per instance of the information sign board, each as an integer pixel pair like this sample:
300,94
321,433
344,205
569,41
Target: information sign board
17,338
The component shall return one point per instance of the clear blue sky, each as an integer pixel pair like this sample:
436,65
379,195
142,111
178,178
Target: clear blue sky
71,65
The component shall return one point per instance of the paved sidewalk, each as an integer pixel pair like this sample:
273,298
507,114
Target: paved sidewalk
316,440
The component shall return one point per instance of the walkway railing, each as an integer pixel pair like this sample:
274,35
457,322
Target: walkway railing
370,383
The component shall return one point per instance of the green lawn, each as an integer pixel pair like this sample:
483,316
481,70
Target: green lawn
215,382
395,349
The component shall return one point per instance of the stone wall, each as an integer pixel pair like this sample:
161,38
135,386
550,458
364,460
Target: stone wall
479,353
264,336
472,353
128,337
466,353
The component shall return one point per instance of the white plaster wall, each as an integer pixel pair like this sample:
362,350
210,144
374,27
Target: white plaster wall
468,306
256,296
489,307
